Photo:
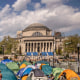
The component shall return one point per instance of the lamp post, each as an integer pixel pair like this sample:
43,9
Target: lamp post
78,46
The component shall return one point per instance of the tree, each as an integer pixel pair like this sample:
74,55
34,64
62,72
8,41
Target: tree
70,44
9,44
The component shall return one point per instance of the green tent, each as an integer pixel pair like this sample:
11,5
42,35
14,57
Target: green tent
13,66
56,72
25,62
3,66
47,69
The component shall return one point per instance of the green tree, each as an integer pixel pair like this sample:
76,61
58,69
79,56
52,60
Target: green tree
70,44
9,44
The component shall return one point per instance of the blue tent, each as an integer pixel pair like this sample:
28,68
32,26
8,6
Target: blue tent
3,66
50,53
20,72
44,53
35,54
8,75
6,61
27,71
28,53
47,69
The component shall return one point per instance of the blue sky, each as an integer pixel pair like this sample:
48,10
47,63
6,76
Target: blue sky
58,15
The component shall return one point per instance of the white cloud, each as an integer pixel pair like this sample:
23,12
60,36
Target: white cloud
20,4
61,18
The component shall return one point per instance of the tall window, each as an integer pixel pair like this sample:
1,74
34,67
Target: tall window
37,34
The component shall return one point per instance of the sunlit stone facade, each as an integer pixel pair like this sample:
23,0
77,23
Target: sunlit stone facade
36,38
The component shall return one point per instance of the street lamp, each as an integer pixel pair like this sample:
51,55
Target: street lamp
78,46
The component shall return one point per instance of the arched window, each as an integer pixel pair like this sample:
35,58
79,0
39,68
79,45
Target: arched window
37,34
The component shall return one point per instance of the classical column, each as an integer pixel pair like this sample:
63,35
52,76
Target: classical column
46,47
33,47
40,48
30,46
49,47
52,47
43,47
36,47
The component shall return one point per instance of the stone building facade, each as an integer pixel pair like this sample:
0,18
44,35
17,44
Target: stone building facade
36,38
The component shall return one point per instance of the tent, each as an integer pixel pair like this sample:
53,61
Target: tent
35,53
56,72
13,66
23,66
44,62
24,78
26,72
3,66
41,65
29,66
7,74
47,69
70,75
26,62
20,72
6,61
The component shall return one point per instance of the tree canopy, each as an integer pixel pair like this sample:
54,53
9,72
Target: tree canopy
70,44
9,43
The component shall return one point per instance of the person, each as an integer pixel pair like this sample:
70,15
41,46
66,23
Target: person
63,76
0,76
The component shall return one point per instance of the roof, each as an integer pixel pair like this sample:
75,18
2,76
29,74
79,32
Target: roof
36,25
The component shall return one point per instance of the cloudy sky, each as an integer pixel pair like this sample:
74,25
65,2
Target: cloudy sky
58,15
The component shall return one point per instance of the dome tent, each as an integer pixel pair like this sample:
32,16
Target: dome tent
13,66
70,75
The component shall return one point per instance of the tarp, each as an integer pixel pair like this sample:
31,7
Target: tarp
6,61
8,75
28,53
44,62
20,72
50,53
23,66
35,53
56,72
44,53
38,73
26,72
70,75
13,66
29,66
47,69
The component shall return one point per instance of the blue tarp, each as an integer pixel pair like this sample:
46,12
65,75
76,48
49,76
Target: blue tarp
27,71
47,69
3,66
28,53
50,53
20,72
6,61
35,54
44,53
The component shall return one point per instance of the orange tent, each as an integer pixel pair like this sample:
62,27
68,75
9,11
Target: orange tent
24,78
41,66
70,75
23,66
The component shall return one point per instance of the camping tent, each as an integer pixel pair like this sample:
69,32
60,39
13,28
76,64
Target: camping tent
47,69
23,66
56,72
6,61
13,66
70,75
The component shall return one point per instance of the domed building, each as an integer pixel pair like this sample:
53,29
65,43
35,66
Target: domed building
36,38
